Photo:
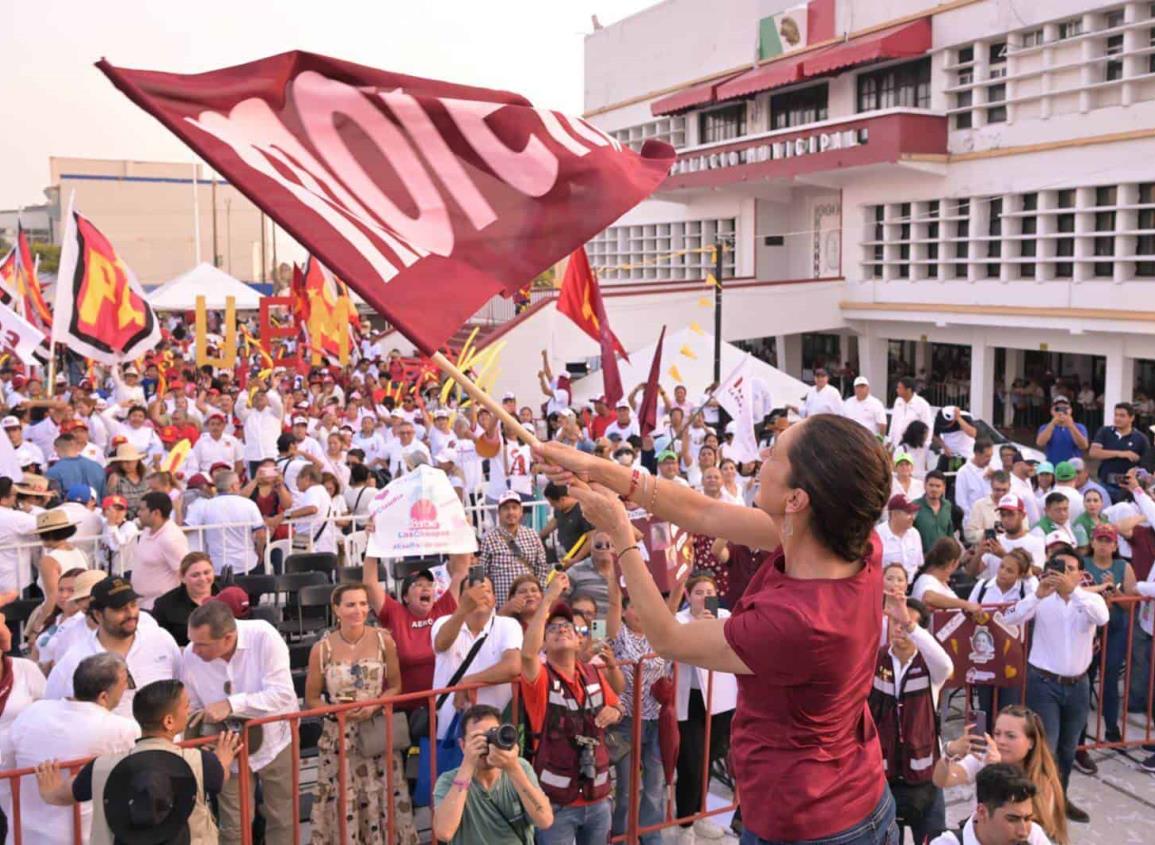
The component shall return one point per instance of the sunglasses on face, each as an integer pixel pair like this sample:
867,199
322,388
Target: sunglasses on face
559,628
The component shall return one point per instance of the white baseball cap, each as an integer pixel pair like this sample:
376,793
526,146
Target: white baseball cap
10,422
861,381
1057,537
508,496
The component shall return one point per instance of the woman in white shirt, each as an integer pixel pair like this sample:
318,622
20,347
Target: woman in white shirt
694,685
334,459
931,583
1013,582
914,443
25,683
904,481
1019,739
733,485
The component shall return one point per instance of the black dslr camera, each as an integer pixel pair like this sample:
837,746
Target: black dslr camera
503,737
587,762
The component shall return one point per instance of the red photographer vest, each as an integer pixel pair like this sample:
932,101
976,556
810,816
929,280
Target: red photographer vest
906,720
558,758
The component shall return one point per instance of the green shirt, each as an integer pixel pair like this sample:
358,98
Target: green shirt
931,526
488,816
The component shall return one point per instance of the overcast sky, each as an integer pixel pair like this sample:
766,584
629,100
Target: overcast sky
57,103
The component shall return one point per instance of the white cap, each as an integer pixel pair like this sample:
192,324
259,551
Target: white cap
567,412
1057,537
396,414
861,381
508,496
131,370
1011,502
731,427
300,420
622,403
441,414
10,422
948,414
509,394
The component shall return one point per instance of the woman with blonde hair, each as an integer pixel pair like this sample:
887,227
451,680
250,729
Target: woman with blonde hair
1018,739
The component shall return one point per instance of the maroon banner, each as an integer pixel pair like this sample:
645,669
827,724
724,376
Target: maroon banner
984,649
426,197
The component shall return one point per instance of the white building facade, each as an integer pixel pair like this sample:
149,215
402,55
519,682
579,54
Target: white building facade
964,188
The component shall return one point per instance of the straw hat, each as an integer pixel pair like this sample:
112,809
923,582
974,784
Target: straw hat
127,452
33,485
53,520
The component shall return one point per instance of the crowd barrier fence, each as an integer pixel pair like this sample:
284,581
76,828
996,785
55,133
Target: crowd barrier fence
338,712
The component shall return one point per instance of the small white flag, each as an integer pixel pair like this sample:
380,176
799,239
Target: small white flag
736,397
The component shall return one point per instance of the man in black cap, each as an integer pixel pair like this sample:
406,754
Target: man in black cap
157,792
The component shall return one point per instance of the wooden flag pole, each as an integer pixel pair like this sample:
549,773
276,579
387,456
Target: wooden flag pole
484,399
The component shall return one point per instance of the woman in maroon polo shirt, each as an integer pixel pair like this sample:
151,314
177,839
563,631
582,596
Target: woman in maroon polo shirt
803,640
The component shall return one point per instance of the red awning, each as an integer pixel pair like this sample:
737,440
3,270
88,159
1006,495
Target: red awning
762,78
696,95
897,42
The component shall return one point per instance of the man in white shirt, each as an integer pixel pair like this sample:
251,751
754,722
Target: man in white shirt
626,425
1004,804
823,398
160,547
241,541
990,552
83,725
372,443
908,407
402,451
27,453
240,670
973,481
900,542
314,502
955,428
262,425
215,447
1065,476
307,445
866,410
497,661
1058,689
150,651
1021,486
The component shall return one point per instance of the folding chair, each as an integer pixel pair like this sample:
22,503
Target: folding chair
324,562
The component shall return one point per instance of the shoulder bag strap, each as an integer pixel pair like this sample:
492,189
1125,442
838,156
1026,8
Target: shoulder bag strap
463,668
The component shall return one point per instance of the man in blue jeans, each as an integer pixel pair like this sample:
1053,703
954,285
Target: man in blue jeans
630,646
1058,689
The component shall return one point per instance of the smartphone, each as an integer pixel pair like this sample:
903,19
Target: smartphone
476,574
1055,564
712,605
598,629
990,534
978,718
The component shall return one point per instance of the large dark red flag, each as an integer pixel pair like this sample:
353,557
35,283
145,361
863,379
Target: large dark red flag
581,300
648,412
427,197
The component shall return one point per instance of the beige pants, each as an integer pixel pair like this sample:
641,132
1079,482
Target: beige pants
277,809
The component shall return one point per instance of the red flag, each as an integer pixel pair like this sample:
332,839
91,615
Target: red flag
648,412
101,311
612,379
428,197
581,300
18,271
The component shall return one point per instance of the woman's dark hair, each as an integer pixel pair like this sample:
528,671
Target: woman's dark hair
846,473
942,553
358,474
6,487
58,535
518,581
915,434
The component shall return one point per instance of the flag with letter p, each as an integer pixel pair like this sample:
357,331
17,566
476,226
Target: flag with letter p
100,309
736,397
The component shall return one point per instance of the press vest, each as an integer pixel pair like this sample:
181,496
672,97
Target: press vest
558,758
906,720
202,828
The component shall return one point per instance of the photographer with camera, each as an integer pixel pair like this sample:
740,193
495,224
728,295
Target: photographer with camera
493,797
569,705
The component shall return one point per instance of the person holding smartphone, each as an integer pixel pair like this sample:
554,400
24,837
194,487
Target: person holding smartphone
1058,687
701,692
908,677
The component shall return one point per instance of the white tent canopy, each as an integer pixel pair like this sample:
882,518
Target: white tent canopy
697,372
214,284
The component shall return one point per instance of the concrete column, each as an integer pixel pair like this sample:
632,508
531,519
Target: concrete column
922,358
1014,370
873,361
789,348
1119,381
982,380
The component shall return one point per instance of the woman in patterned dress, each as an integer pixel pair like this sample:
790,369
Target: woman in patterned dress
355,663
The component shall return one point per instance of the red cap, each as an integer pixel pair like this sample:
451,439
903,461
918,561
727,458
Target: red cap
117,440
168,433
114,502
236,599
899,502
1104,529
199,480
